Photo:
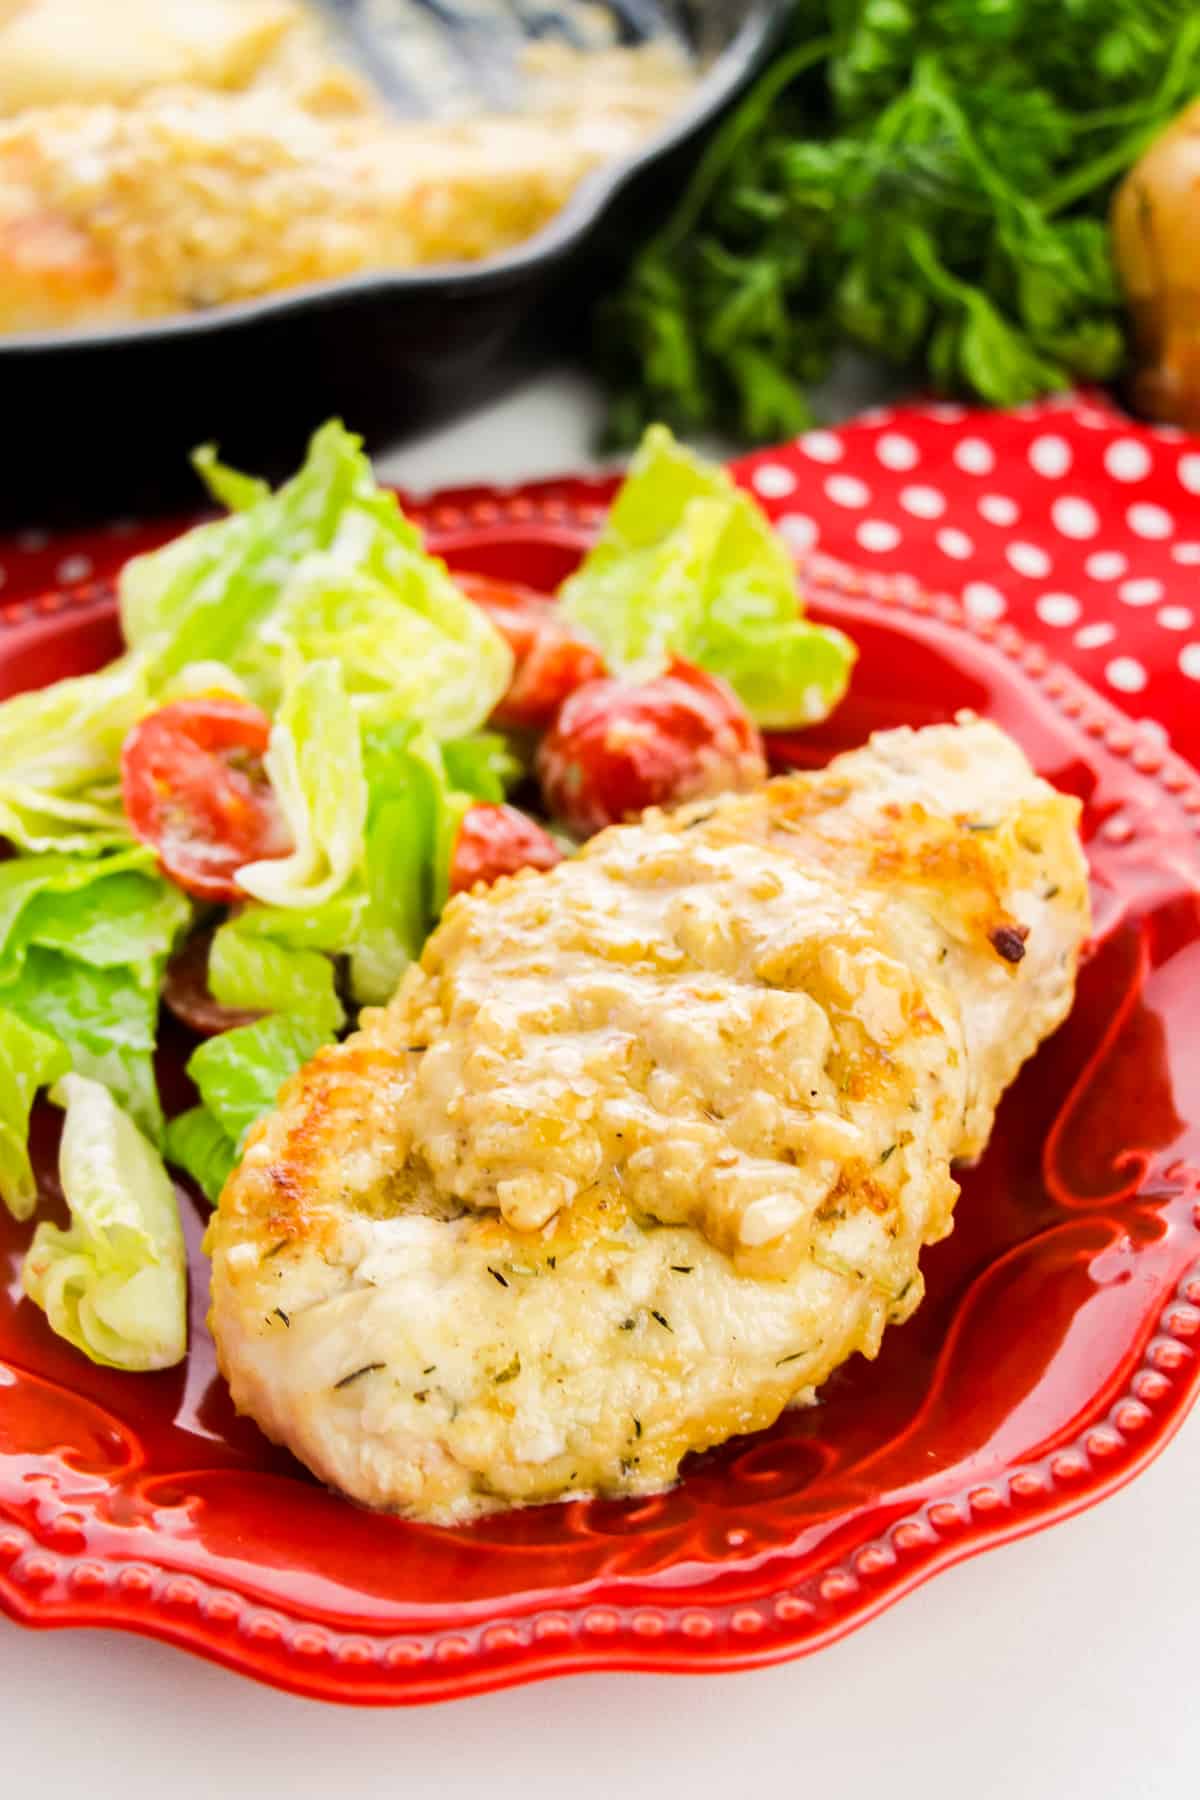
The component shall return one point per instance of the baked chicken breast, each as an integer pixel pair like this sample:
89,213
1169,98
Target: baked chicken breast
647,1146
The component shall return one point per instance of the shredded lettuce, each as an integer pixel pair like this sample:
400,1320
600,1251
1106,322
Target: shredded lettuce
114,1283
29,1059
688,564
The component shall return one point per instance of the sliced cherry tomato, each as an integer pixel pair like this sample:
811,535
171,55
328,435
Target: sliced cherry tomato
195,790
616,749
498,840
552,658
185,992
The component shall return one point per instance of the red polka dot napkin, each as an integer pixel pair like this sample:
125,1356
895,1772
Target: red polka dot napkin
1067,518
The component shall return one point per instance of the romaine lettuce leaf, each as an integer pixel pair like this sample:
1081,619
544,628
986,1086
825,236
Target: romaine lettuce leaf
196,1144
326,566
105,1017
59,751
28,1060
83,941
316,768
114,1283
688,564
129,916
234,490
240,1073
396,920
24,878
202,595
482,765
252,972
412,822
410,646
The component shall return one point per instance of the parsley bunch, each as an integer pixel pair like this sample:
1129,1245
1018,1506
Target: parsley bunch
928,179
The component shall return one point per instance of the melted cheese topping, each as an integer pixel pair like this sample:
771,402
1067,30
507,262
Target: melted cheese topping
715,1035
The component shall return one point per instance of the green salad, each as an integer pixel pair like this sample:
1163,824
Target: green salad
259,811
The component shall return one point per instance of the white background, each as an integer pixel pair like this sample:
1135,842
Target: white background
1066,1667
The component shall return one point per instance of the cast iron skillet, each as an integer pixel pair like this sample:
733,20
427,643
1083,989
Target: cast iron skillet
96,423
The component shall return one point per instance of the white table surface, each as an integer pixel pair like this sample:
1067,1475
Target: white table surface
1066,1667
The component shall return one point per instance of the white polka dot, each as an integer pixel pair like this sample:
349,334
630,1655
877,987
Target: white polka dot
33,541
896,451
923,502
1028,559
1189,661
974,456
1167,434
877,534
876,415
773,481
1126,674
1174,618
1094,637
1150,521
1153,728
998,509
822,446
1142,592
1093,418
1188,554
797,530
1074,517
73,568
983,601
847,490
1127,460
952,542
1106,565
1058,609
1189,472
946,414
1050,456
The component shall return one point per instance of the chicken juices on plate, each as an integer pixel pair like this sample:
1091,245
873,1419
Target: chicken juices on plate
646,1146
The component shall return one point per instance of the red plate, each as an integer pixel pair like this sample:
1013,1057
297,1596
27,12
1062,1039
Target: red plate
1054,1355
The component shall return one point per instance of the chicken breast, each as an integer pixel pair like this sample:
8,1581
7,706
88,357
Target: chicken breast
647,1146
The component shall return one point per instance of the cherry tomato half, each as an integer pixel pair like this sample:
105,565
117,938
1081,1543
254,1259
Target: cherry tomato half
195,789
498,840
552,658
185,992
616,749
